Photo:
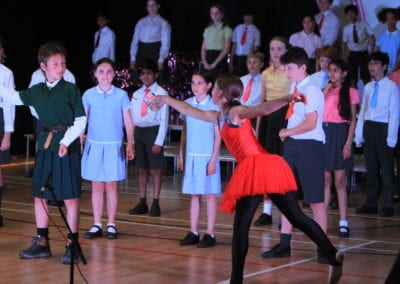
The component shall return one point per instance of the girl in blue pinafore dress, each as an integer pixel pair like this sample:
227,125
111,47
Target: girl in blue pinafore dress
201,142
103,162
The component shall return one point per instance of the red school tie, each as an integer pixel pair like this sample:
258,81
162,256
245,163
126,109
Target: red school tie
321,22
289,112
248,89
244,36
143,110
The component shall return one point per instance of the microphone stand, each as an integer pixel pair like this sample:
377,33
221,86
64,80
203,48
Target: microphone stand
75,246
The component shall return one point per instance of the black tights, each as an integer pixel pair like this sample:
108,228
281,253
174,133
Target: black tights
287,204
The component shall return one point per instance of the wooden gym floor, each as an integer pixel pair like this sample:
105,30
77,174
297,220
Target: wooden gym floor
147,249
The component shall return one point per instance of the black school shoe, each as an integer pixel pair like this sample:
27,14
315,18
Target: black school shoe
112,232
1,221
277,251
263,220
40,248
92,235
190,239
140,208
66,258
155,210
207,241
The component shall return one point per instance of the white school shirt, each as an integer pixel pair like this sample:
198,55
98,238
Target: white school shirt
252,39
309,42
315,103
255,93
317,78
387,110
152,118
149,30
39,77
330,28
7,79
106,46
363,33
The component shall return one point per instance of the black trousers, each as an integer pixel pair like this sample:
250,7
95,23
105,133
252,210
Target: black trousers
379,162
358,66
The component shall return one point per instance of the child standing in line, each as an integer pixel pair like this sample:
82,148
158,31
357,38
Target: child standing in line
59,106
7,115
252,81
274,86
358,40
216,42
377,128
303,148
257,172
150,131
308,40
245,39
104,40
103,162
201,142
324,57
340,108
389,40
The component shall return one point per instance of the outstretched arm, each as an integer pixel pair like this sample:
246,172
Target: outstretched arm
264,108
10,95
186,109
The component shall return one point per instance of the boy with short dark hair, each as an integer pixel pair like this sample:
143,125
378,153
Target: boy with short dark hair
303,146
151,127
377,127
358,38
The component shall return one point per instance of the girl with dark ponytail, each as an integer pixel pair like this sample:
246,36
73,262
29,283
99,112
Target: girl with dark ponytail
341,102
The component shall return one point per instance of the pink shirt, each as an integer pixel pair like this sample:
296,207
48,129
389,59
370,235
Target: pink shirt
331,111
395,77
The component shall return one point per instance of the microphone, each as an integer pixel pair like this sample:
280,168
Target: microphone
46,183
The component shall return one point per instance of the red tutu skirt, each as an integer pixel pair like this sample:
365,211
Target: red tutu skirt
255,175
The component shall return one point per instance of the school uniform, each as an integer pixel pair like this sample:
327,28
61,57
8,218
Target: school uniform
377,127
104,156
276,85
330,27
65,104
200,137
214,37
336,130
305,152
244,45
310,43
104,44
150,128
358,51
39,77
319,79
7,111
151,40
389,42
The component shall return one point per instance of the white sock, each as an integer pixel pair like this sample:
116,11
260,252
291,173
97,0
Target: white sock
343,223
111,229
196,233
267,207
95,229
